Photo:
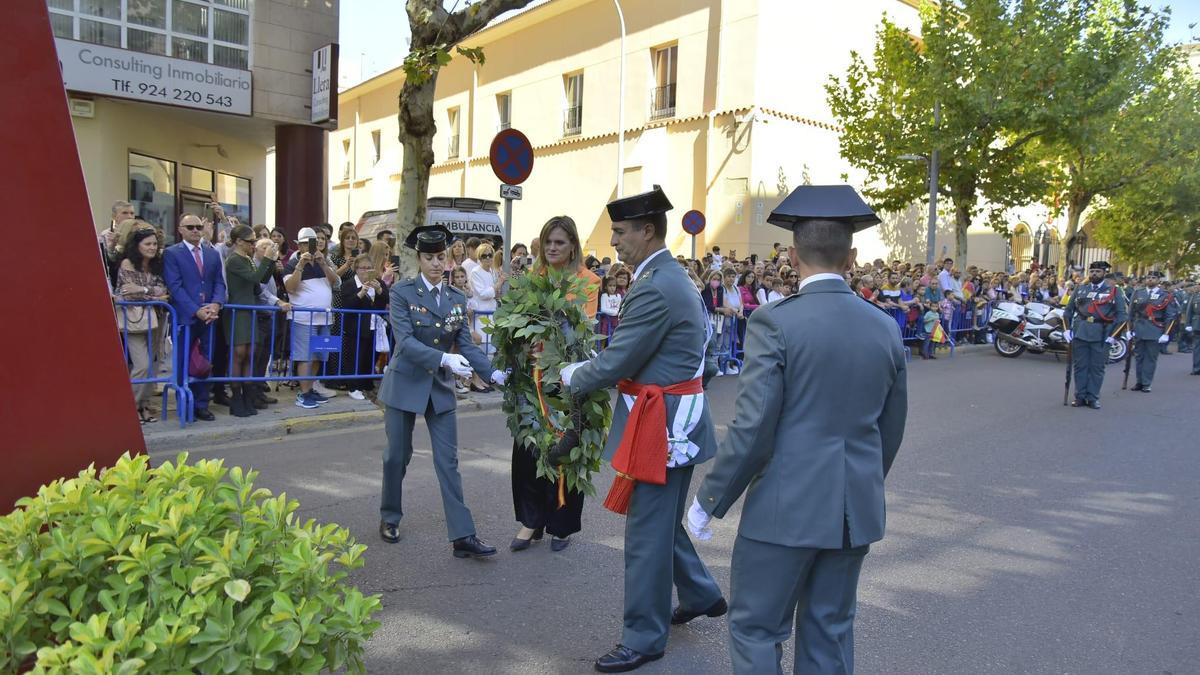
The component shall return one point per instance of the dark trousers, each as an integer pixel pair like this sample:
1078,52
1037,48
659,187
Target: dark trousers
535,500
1088,359
201,390
1146,360
358,356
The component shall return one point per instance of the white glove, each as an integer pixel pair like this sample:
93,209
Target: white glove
1188,329
698,520
1110,340
499,378
457,363
1068,335
1164,339
567,371
1132,335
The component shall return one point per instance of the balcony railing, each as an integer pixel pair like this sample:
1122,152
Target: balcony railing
573,120
452,151
662,102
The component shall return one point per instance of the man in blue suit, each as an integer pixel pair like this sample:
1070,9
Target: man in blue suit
192,270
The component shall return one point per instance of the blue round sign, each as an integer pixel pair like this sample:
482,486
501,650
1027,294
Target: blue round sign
693,222
511,156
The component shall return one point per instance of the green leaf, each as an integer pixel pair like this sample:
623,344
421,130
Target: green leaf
237,589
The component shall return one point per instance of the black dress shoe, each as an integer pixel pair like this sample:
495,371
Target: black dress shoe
557,544
682,616
269,400
1145,389
1136,387
519,544
389,532
205,414
1094,405
472,547
220,397
1078,403
622,659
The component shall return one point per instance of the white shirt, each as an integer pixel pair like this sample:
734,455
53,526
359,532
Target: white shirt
949,283
428,286
610,304
638,272
483,290
823,276
765,296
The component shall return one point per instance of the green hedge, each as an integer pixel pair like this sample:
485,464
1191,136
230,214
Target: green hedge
179,568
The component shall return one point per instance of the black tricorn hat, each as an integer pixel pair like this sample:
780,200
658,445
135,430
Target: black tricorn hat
1099,265
1154,273
429,239
644,205
823,202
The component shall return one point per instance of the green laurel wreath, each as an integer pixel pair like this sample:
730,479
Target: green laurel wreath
535,309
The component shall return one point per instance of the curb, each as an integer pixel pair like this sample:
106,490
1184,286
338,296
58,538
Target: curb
194,436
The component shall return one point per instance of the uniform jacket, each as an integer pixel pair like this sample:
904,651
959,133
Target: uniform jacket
1191,317
821,408
1095,324
1143,298
660,340
423,332
187,289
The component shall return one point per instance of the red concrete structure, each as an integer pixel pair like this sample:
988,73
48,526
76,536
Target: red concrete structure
65,399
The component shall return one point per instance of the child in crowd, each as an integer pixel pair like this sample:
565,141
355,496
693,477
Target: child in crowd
929,320
610,307
948,304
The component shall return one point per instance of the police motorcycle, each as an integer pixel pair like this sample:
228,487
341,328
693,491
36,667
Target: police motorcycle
1037,328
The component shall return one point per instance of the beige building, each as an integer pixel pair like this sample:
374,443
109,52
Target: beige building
723,101
176,103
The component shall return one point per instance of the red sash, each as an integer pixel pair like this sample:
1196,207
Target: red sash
642,453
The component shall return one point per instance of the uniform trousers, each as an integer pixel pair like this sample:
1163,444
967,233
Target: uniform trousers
772,586
1196,359
443,434
1147,361
658,555
1089,359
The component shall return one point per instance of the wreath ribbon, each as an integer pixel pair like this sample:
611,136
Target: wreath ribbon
537,384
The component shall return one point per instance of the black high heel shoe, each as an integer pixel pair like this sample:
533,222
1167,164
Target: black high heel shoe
519,544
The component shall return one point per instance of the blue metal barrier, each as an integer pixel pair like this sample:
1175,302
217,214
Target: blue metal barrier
172,330
729,346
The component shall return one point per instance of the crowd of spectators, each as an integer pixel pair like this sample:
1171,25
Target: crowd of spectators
259,267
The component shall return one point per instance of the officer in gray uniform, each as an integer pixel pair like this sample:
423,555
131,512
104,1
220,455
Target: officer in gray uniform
428,317
1093,316
1191,326
1154,311
821,409
658,344
1186,294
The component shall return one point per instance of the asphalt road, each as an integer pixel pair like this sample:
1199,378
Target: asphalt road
1023,537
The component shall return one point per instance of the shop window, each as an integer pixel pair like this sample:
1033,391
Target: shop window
151,13
195,178
243,5
231,27
108,9
146,42
100,33
152,190
192,50
189,18
230,57
68,5
63,25
233,194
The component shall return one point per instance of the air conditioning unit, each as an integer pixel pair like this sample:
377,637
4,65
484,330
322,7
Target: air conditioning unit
83,107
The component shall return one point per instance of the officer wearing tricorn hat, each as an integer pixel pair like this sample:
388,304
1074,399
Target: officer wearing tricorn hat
661,430
1154,311
1094,317
428,317
821,408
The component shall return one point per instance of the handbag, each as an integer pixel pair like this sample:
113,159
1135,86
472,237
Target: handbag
198,364
136,319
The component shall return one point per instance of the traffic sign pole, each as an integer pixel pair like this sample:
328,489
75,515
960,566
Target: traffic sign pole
507,235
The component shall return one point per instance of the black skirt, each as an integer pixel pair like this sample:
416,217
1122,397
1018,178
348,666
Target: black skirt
535,500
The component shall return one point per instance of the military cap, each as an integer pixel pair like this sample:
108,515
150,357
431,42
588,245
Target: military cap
824,202
1099,265
641,205
429,239
1154,273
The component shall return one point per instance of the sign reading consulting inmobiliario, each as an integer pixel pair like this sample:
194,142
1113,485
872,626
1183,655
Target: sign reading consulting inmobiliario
120,73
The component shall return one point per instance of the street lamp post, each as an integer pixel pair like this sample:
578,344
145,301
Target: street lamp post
932,161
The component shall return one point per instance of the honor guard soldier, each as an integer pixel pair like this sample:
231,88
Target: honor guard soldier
1191,326
1153,313
428,317
821,409
1093,316
661,431
1187,300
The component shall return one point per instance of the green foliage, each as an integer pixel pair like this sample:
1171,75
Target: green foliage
547,309
422,63
179,568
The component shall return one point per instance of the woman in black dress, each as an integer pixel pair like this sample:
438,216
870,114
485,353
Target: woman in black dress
535,499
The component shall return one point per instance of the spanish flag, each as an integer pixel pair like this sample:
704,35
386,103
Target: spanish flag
939,334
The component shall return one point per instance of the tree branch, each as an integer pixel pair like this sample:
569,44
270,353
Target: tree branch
474,18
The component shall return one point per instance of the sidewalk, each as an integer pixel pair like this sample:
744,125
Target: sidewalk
279,420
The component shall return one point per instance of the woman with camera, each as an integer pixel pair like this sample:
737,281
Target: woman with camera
242,277
139,279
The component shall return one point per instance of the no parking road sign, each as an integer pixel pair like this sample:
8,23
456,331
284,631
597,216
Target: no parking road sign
511,156
693,222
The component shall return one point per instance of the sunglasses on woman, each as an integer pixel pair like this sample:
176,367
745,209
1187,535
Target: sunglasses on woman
486,256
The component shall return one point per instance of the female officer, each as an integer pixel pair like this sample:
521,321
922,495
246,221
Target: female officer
428,317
